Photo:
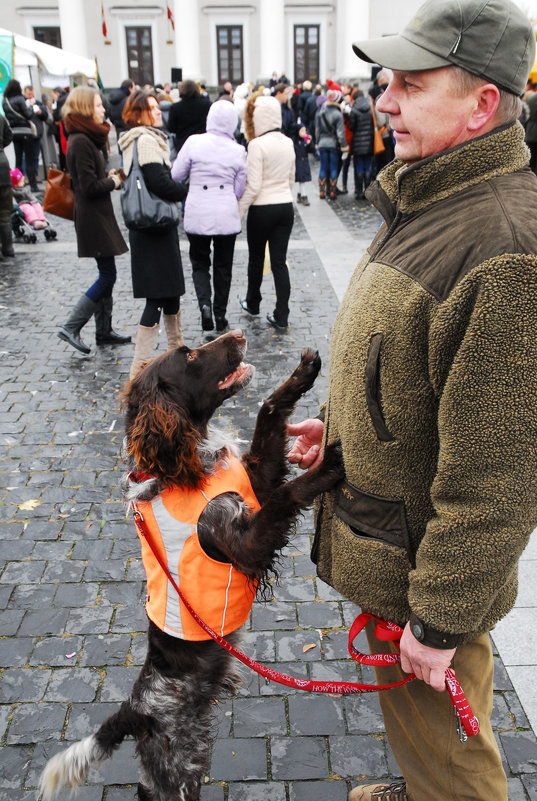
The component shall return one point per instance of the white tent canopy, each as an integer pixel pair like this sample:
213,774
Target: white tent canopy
55,64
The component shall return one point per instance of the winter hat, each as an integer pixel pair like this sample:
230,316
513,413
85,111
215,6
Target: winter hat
333,85
16,176
333,96
493,39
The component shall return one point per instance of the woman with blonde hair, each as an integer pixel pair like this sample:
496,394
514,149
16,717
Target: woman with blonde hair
97,232
156,267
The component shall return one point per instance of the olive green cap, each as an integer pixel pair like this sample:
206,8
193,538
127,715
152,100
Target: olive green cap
493,39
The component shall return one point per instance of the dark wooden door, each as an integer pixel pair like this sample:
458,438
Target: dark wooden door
140,54
229,46
306,53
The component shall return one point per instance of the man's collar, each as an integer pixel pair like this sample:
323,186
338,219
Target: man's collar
413,187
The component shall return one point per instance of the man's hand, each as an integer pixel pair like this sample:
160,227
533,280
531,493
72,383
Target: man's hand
429,664
306,449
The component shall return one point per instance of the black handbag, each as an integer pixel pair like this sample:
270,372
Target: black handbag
143,210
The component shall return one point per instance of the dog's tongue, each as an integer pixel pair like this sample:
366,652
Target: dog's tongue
234,376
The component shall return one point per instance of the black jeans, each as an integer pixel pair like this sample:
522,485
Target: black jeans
25,145
200,258
273,224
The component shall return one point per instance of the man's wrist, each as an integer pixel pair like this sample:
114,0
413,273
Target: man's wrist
433,638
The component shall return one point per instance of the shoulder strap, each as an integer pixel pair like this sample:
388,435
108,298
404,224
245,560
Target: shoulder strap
14,111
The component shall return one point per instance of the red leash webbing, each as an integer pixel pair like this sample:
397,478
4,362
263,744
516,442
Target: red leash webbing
384,631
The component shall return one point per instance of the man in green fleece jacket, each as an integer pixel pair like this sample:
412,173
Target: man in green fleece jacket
433,387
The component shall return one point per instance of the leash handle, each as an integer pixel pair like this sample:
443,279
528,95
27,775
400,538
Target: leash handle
384,630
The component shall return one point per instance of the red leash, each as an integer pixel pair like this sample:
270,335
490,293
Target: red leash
467,723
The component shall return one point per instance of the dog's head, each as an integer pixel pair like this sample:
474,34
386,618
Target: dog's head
171,401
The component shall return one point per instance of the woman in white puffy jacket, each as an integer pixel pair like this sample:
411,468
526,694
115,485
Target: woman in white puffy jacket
269,200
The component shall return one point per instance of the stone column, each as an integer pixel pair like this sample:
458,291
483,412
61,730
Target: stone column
272,38
73,27
187,38
352,24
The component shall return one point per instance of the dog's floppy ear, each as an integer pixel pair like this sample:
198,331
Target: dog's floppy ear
161,440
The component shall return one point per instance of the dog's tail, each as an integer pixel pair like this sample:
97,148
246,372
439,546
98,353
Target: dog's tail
70,768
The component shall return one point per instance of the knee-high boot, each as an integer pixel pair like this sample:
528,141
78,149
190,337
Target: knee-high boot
174,333
145,342
70,332
104,333
322,188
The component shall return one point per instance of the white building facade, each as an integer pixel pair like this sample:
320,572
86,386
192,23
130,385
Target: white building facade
211,40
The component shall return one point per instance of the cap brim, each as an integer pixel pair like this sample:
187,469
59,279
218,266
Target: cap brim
398,53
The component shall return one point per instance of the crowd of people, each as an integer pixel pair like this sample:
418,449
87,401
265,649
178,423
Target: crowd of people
236,156
239,155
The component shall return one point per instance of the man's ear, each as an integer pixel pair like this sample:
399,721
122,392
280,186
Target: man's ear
487,99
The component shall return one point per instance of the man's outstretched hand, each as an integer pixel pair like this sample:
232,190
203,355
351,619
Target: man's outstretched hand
306,449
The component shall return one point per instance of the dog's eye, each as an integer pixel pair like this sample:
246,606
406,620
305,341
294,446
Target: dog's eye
191,356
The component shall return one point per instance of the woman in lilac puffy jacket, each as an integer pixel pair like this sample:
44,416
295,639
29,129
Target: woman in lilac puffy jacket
216,167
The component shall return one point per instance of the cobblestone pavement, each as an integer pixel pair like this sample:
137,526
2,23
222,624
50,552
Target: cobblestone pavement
72,619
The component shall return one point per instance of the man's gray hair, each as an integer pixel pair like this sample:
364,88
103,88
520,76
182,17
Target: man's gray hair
510,105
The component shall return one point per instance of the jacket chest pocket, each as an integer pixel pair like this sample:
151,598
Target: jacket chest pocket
372,517
372,389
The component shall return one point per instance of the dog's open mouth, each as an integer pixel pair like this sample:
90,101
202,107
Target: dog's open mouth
241,374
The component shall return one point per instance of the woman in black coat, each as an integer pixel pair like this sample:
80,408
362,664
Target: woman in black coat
189,115
18,114
97,232
363,134
157,271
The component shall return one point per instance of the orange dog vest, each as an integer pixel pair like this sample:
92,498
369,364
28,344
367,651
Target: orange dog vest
220,594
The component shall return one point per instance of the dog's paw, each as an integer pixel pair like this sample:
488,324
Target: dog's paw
332,464
308,369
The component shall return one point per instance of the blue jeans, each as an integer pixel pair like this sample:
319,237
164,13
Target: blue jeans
103,286
362,164
329,163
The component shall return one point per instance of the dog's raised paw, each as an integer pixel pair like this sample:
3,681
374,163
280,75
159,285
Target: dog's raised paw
308,369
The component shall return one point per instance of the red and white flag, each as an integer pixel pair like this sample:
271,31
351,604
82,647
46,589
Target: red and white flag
170,17
105,32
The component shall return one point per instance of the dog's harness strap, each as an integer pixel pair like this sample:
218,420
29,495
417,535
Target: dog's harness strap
384,630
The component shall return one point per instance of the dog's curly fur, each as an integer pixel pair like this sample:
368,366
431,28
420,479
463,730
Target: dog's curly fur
168,436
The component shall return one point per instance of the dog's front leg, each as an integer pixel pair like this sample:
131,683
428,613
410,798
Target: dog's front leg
268,529
266,460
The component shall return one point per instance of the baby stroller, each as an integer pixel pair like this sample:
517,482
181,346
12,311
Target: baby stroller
22,230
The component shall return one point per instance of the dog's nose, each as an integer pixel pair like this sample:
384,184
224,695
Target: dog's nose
237,332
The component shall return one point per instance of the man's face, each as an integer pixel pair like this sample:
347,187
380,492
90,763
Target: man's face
426,114
283,97
29,93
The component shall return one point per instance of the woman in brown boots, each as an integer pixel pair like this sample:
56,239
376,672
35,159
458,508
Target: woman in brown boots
157,271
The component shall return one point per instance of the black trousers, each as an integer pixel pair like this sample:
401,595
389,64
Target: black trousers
273,224
200,258
25,145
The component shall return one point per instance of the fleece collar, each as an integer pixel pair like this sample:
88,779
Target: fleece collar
408,189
